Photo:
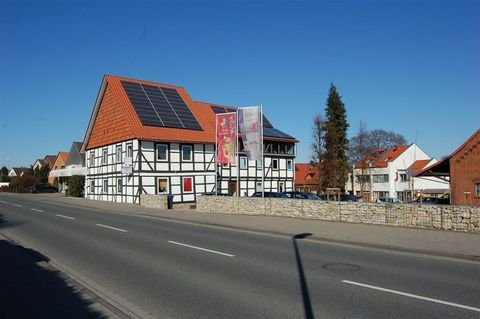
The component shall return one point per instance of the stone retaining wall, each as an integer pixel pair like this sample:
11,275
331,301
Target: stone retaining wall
154,201
458,218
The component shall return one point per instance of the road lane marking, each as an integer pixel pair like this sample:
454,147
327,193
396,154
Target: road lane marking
3,202
114,228
412,296
63,216
18,205
203,249
36,210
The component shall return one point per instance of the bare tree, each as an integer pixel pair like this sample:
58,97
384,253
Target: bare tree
318,144
360,150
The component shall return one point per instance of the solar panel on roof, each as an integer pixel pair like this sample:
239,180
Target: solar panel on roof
159,106
273,132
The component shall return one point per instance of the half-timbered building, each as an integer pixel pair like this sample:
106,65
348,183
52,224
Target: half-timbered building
151,138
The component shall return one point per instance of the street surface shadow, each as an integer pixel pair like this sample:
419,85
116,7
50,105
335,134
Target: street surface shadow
307,304
6,223
30,288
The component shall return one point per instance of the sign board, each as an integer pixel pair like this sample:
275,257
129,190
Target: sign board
127,167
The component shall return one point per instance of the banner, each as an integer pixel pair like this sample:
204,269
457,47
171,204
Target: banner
226,138
249,123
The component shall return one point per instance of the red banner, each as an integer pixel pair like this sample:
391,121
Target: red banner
226,138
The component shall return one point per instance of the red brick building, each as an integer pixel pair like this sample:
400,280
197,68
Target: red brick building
462,167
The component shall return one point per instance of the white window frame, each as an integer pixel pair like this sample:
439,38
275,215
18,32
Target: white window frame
191,153
119,185
166,153
290,165
92,186
243,163
105,186
158,185
104,156
92,158
477,189
275,164
119,153
260,164
129,150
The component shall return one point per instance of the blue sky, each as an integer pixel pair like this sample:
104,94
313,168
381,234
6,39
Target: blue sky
412,67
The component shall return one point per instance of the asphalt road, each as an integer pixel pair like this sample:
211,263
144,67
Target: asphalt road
172,269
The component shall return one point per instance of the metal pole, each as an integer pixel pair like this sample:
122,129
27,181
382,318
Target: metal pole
237,154
215,154
261,144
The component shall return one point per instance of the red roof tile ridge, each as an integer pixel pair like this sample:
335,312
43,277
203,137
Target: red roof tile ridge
215,104
464,144
129,79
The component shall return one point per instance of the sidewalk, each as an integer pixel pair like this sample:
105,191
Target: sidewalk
432,242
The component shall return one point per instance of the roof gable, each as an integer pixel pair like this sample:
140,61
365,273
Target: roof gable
75,156
306,173
115,119
382,156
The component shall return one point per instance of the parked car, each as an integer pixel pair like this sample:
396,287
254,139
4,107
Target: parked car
433,200
348,198
44,188
269,194
389,200
302,195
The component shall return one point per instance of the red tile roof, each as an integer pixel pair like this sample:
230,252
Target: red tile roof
114,118
419,164
305,173
381,157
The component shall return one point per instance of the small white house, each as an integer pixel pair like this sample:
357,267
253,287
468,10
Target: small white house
390,173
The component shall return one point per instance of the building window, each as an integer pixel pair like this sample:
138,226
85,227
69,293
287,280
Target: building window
275,164
403,177
119,185
92,187
363,178
162,186
162,152
92,158
187,153
119,153
129,150
243,163
104,157
380,178
105,186
259,164
477,190
187,184
289,165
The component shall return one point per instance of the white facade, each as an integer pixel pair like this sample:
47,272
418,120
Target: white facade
394,180
122,171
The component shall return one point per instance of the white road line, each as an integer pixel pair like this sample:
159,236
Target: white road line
63,216
203,249
114,228
3,202
412,295
36,210
18,205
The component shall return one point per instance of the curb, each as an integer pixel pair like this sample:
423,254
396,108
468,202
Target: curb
111,304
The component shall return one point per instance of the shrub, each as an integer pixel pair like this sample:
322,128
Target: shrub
75,186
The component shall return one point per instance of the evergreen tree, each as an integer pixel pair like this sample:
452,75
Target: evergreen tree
335,164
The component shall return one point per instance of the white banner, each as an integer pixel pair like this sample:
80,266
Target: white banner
250,127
